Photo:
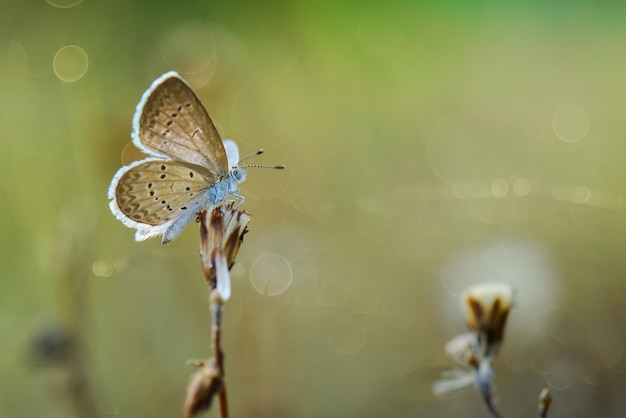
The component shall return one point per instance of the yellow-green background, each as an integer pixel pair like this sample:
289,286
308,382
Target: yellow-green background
429,146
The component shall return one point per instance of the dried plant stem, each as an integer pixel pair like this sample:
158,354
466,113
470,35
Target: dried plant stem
77,385
492,408
220,239
207,250
545,399
216,327
484,383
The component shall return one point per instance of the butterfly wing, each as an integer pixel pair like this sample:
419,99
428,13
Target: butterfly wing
158,196
232,152
170,121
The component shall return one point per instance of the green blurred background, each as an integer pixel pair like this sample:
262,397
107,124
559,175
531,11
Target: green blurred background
429,146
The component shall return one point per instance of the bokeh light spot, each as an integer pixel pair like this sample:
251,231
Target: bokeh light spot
271,274
13,62
521,186
189,48
570,123
102,268
64,4
70,63
582,194
499,188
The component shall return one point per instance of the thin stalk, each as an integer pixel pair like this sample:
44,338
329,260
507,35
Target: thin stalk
217,309
545,399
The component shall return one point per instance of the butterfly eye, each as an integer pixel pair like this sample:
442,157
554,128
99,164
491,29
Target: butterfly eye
238,174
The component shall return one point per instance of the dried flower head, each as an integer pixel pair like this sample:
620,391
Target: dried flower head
221,235
487,307
204,385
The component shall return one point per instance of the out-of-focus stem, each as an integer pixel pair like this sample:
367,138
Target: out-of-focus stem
491,407
545,399
74,293
484,382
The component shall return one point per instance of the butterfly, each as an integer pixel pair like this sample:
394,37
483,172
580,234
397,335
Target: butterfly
188,168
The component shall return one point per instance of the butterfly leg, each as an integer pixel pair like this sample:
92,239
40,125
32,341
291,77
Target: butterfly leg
236,194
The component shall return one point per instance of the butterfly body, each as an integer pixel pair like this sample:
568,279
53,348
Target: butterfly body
188,168
219,191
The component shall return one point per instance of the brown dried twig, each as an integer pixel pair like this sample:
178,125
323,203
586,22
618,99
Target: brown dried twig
220,238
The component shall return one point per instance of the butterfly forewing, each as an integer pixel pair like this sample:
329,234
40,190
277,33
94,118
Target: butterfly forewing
154,191
172,122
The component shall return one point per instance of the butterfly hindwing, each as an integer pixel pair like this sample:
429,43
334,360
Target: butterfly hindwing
154,192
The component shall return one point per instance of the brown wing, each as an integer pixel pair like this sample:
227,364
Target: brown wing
171,121
153,191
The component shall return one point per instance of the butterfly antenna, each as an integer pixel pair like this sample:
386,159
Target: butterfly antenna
259,152
277,167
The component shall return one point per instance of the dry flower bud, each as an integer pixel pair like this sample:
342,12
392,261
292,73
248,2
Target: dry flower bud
204,385
545,399
487,307
221,234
